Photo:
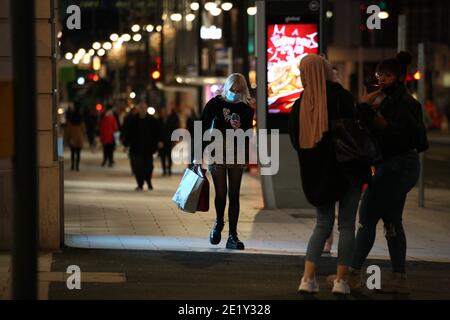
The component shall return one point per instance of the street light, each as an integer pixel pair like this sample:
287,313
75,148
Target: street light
383,15
69,56
96,63
96,45
190,17
81,52
87,59
118,44
132,95
215,11
126,37
227,6
101,52
151,111
137,37
81,81
107,45
136,28
176,17
149,28
91,52
159,28
251,11
114,37
195,6
210,5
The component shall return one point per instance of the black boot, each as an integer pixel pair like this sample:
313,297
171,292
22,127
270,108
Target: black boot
234,242
215,236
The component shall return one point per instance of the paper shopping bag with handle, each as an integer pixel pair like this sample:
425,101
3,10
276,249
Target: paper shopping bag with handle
187,195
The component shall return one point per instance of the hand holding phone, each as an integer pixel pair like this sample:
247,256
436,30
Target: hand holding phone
373,87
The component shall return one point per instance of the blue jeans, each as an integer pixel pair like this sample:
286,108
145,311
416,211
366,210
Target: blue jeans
348,207
385,199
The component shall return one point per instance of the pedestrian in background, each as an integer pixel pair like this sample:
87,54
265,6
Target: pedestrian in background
108,127
123,133
168,124
91,121
142,137
75,136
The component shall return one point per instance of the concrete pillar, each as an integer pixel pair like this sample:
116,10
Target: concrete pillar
49,173
49,186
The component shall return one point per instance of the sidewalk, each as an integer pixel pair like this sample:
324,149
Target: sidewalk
439,138
103,211
163,253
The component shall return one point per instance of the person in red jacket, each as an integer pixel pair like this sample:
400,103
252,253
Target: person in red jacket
108,126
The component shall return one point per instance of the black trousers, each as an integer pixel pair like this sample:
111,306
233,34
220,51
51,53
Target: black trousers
108,153
142,165
166,160
75,158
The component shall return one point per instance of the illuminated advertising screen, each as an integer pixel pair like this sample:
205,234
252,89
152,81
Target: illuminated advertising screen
287,44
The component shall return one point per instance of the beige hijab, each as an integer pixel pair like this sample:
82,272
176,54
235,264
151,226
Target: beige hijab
313,109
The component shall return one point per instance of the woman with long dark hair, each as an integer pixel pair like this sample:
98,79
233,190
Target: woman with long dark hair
228,111
397,124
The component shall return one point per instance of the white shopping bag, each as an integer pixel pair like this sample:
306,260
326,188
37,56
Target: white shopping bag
188,192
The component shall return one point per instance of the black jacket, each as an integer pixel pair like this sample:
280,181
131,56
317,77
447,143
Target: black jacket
168,126
220,111
405,130
142,135
324,180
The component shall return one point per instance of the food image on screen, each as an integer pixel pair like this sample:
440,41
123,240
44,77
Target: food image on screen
286,47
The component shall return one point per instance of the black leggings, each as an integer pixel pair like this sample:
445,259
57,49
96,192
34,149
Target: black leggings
219,175
75,157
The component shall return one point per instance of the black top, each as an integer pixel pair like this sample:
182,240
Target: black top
324,180
168,126
222,111
405,130
142,135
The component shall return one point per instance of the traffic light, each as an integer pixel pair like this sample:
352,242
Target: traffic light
156,75
93,77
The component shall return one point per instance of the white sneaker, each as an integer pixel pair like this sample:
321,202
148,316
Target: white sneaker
340,287
309,286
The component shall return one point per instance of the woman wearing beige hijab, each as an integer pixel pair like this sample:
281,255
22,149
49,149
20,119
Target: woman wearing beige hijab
324,181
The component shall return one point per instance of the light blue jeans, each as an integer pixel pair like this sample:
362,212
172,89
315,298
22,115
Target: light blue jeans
348,208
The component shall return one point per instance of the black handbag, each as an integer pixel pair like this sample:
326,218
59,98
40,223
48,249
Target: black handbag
353,141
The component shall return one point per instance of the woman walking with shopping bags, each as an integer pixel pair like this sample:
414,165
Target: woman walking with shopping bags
324,180
229,110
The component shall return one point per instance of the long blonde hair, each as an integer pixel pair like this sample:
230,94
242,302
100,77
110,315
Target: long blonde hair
239,79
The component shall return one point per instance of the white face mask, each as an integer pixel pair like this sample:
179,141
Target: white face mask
233,97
